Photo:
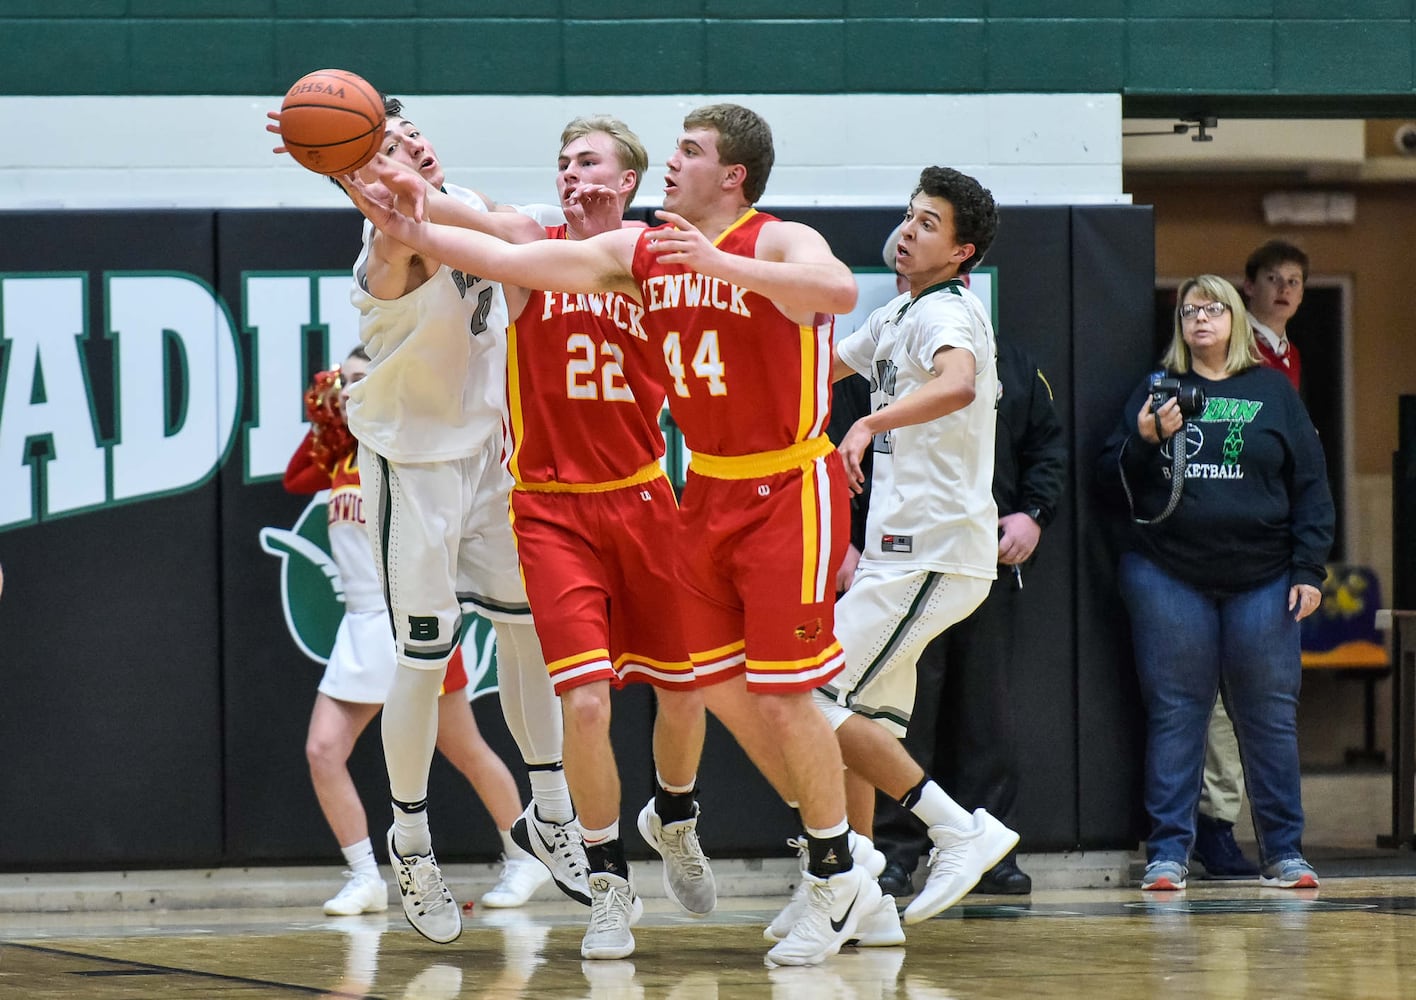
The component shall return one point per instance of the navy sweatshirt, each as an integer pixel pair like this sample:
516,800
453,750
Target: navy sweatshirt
1256,502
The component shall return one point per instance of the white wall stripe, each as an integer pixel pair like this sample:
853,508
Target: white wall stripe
840,149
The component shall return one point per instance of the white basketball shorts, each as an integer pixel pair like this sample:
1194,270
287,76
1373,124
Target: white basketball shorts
884,621
442,540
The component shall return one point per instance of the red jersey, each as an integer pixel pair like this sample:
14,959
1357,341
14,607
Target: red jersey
583,405
741,377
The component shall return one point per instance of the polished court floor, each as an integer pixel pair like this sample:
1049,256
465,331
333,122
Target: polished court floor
1355,937
160,936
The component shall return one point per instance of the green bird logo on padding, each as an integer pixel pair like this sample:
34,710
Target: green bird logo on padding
312,597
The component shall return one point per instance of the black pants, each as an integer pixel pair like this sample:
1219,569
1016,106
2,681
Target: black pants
961,730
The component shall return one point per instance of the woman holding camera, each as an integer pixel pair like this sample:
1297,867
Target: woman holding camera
1217,572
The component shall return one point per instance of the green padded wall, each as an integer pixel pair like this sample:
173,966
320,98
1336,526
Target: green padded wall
1269,57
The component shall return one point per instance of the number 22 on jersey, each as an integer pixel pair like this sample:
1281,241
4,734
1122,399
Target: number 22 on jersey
585,359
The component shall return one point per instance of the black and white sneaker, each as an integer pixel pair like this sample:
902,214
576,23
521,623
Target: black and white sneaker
559,847
427,903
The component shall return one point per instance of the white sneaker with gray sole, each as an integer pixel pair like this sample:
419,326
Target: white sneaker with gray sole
427,903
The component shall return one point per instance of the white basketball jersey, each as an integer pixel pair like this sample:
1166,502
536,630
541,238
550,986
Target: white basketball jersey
931,495
436,387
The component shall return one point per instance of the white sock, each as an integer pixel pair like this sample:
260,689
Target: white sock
610,832
936,808
551,794
675,789
410,832
360,858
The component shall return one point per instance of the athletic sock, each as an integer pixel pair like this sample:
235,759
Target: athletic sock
410,828
934,807
360,858
550,792
828,852
604,851
673,803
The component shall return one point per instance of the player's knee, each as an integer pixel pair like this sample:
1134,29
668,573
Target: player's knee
587,707
324,754
679,707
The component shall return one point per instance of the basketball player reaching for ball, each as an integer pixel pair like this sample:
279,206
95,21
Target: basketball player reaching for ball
591,510
737,308
361,667
429,420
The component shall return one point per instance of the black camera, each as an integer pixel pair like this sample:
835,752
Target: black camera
1191,397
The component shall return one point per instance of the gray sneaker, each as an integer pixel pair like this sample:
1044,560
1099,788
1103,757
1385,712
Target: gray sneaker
612,905
427,903
687,878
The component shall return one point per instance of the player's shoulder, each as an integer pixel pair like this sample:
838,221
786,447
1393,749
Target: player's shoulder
778,238
947,301
468,196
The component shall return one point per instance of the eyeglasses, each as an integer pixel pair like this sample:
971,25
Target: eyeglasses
1213,310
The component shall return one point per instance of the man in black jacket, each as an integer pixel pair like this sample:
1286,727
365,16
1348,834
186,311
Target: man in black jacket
962,725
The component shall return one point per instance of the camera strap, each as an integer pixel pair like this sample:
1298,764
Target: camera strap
1177,475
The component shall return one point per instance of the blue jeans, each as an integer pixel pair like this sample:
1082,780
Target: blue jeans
1189,644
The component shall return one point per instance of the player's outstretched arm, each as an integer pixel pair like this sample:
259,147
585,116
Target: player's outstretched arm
794,266
601,264
505,225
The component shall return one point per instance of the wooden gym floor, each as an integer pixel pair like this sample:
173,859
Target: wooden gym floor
161,936
1355,937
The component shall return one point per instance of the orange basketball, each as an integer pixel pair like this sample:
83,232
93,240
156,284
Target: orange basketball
332,121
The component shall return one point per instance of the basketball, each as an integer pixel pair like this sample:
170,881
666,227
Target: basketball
332,121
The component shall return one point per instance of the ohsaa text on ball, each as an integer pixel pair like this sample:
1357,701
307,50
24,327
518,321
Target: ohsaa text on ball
318,88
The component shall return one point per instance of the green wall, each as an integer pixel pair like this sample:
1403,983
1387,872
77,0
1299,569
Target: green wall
1271,57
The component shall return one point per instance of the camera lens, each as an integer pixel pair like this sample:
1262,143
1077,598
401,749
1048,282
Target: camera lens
1192,400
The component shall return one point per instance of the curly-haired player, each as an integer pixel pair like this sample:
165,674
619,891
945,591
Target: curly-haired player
931,547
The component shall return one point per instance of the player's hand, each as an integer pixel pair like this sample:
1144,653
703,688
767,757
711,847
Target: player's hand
683,244
274,128
852,449
373,199
1305,598
409,189
1018,536
593,209
846,573
1170,420
384,194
